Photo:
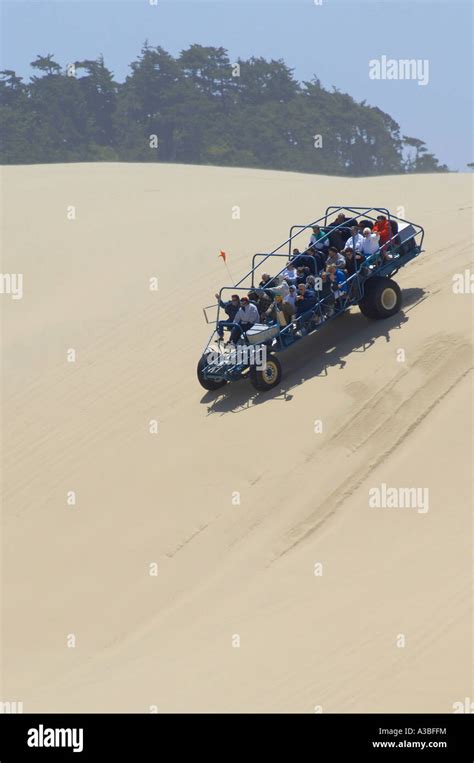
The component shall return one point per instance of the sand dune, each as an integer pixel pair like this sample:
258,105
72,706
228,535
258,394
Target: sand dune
330,641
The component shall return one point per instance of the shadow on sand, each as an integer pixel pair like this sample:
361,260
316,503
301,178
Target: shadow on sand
328,347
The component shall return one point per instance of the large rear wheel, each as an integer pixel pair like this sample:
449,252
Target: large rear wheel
382,298
208,384
264,379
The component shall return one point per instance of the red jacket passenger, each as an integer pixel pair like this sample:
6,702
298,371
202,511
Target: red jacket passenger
383,228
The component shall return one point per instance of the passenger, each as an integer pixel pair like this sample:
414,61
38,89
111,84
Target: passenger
314,285
319,240
266,281
395,238
370,243
339,285
231,307
355,240
305,302
295,253
289,274
327,295
291,297
335,258
281,288
319,261
353,261
338,237
280,311
261,300
303,274
382,227
340,219
305,260
245,318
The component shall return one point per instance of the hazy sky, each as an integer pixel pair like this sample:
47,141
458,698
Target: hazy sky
334,41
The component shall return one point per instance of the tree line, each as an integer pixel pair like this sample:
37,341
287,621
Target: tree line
198,108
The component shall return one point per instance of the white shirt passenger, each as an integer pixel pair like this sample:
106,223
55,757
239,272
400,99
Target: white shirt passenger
247,314
370,244
355,242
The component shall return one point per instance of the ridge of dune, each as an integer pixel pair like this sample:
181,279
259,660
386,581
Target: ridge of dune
331,640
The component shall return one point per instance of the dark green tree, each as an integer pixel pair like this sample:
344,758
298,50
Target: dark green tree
99,91
199,108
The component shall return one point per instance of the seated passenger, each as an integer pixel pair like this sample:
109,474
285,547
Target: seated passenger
291,297
266,281
231,307
246,316
382,227
340,219
301,275
335,258
337,238
305,299
370,244
327,295
289,274
305,260
395,240
339,285
318,240
280,288
319,261
305,302
261,301
280,311
355,239
353,261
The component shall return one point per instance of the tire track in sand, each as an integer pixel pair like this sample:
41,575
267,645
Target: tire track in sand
390,428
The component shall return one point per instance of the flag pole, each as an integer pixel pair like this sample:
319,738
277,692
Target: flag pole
224,257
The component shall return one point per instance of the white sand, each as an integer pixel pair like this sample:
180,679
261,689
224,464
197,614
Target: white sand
225,569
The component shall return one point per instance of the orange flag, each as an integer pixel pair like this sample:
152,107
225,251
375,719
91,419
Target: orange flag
223,255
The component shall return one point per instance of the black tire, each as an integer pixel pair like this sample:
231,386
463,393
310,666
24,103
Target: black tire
382,298
207,383
264,380
366,303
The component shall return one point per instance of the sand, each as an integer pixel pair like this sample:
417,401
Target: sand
277,587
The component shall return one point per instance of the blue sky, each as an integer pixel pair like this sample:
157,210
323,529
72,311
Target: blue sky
334,40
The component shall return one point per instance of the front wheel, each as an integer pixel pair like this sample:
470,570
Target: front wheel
382,298
267,377
208,384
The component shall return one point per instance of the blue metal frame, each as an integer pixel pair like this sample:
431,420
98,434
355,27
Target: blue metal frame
355,283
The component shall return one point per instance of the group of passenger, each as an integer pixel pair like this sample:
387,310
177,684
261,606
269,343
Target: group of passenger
319,274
